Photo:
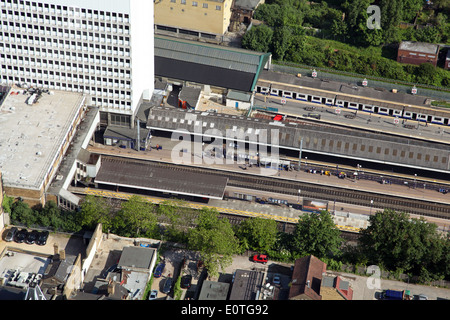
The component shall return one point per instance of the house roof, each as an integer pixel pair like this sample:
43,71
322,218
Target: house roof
190,95
136,257
212,290
419,47
247,4
334,288
246,284
307,278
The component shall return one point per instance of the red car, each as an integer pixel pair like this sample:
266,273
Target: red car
260,258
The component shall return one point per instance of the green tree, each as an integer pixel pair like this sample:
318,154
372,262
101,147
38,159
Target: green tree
214,239
50,216
257,234
137,215
95,210
178,219
391,16
7,203
258,38
395,240
426,73
22,213
316,234
269,13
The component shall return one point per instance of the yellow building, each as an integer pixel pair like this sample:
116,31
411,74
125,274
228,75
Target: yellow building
200,18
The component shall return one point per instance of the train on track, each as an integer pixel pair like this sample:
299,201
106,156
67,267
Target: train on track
342,96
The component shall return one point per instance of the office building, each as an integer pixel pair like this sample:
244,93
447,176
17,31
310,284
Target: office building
100,48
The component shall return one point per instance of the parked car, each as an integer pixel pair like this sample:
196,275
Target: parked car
10,234
167,286
422,297
186,281
32,237
42,238
159,270
262,258
21,235
153,295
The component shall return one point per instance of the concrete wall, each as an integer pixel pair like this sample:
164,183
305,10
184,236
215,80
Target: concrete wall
73,281
2,214
91,250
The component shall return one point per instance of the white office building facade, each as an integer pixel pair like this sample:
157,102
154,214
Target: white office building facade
103,48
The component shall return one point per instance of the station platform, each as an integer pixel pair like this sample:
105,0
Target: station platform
165,155
361,119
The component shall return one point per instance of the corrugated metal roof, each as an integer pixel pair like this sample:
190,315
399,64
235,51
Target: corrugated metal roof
149,176
325,139
216,56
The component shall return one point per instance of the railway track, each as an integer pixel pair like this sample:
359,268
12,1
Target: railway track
339,194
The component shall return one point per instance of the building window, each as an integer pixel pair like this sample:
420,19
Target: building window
205,5
218,8
194,3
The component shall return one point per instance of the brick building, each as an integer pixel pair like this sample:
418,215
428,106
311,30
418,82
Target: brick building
307,279
417,52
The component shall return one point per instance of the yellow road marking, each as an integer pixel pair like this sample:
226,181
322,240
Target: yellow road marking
126,196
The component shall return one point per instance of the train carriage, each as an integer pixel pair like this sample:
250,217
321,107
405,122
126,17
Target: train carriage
350,101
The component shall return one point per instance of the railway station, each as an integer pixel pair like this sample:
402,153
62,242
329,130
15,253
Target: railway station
143,175
357,97
303,137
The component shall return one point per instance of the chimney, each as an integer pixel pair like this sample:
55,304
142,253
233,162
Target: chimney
55,249
62,254
111,287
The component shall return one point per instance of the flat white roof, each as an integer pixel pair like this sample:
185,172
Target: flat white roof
32,135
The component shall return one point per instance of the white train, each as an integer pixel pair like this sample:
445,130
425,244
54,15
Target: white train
341,100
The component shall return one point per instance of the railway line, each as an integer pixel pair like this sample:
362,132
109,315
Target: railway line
331,193
235,216
350,97
375,175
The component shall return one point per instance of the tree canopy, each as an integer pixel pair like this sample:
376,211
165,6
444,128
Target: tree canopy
257,234
398,242
335,34
214,239
316,234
